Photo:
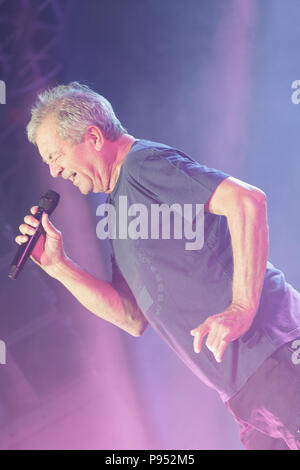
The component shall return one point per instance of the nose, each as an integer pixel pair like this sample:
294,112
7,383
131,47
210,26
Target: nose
55,169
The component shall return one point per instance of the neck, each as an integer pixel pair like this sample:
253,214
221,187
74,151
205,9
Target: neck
123,146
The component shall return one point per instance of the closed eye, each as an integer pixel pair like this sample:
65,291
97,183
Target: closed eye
52,158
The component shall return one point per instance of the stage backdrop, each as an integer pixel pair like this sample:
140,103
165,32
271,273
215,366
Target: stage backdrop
213,78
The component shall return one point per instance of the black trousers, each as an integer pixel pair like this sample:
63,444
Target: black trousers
267,408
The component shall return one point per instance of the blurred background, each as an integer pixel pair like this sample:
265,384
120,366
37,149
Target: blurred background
211,77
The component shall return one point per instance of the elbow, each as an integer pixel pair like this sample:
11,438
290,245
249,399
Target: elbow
249,206
260,197
254,209
255,200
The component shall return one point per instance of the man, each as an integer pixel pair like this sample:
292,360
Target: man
226,291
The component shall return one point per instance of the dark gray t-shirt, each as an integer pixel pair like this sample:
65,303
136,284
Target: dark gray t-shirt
178,288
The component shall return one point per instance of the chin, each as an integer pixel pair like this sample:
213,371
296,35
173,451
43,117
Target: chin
84,191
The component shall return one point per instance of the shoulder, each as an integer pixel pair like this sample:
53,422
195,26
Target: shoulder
143,150
145,153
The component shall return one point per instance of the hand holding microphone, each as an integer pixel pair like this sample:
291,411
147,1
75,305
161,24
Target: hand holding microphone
40,240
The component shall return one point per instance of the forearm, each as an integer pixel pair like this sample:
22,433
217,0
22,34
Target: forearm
99,297
250,244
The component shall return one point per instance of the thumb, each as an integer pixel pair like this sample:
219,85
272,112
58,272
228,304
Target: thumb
49,227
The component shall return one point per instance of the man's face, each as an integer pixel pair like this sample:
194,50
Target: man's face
75,162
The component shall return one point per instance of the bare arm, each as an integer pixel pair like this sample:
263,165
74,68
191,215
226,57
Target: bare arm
98,296
245,209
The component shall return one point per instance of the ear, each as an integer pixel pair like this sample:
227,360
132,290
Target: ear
95,136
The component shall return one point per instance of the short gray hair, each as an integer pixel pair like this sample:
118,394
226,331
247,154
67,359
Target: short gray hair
74,107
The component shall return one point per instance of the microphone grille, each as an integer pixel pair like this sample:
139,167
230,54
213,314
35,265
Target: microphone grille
49,201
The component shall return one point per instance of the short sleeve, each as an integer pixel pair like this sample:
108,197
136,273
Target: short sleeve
173,177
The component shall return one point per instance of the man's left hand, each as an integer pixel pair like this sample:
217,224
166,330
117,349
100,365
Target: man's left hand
223,328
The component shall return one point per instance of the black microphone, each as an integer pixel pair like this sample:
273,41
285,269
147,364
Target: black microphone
48,203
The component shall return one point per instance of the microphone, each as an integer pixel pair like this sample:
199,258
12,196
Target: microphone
47,203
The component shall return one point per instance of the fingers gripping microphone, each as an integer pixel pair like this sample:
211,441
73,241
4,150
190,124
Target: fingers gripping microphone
48,203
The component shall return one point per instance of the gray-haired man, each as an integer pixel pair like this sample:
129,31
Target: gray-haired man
226,291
